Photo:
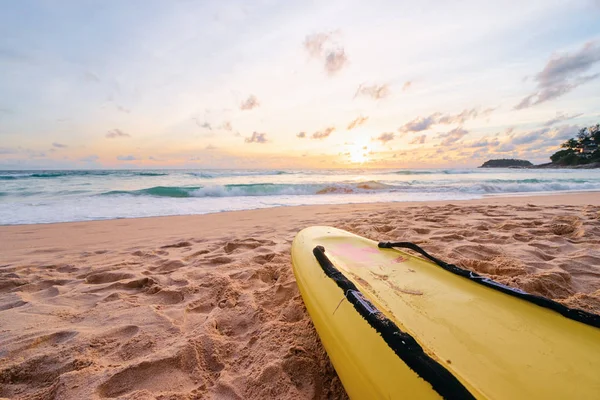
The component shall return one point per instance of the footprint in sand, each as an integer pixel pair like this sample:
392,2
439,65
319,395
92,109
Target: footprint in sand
136,284
8,304
167,297
177,245
40,372
263,258
219,260
41,285
475,252
248,244
106,277
203,306
167,266
172,375
196,254
52,339
571,226
555,283
234,322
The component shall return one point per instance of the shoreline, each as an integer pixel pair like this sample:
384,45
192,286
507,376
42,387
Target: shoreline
409,203
207,305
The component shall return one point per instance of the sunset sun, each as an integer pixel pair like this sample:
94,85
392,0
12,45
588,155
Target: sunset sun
359,153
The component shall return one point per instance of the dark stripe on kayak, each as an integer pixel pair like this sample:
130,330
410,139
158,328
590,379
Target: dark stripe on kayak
403,344
571,313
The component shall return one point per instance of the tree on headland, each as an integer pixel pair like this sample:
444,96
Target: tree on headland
584,149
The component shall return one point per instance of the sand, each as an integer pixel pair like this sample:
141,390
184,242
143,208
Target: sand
207,306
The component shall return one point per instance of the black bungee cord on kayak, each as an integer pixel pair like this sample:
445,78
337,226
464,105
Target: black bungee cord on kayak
571,313
402,343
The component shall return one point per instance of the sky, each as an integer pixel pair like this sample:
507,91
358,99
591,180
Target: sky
293,84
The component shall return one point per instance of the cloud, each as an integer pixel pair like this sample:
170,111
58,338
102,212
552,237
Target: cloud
322,46
301,135
529,137
90,158
210,147
117,133
526,102
560,117
418,140
250,103
545,136
227,126
484,142
423,123
203,125
59,145
460,118
257,138
126,158
323,134
357,122
486,112
563,73
420,123
336,60
406,86
453,136
386,137
90,76
315,43
563,132
505,148
123,109
375,91
6,150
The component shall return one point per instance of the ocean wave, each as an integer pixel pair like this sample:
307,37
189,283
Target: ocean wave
432,172
157,191
411,172
366,187
151,174
61,174
256,189
232,173
504,187
528,188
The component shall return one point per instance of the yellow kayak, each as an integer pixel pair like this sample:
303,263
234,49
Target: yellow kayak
397,326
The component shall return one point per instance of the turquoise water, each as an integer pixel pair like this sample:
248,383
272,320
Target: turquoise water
60,196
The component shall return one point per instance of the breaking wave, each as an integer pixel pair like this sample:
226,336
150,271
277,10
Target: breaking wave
275,189
9,176
257,189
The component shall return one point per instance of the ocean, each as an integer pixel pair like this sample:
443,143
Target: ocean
28,197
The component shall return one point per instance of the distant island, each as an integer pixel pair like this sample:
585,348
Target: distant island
506,163
580,152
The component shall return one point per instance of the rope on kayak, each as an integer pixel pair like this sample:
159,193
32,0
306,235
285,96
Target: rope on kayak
571,313
403,344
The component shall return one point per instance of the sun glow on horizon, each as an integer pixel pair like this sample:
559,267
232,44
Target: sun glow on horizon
359,153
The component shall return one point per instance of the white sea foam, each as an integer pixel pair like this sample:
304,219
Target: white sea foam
57,196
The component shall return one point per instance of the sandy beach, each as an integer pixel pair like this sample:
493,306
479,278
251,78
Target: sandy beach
207,306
